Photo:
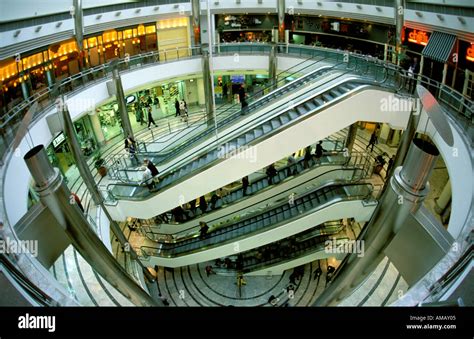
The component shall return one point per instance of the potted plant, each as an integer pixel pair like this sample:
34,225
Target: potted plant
99,164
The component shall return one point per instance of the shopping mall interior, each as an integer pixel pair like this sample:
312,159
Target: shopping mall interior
276,153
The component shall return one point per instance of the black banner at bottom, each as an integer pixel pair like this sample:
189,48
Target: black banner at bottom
169,322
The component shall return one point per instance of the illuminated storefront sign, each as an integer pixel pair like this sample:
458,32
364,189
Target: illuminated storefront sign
418,37
470,53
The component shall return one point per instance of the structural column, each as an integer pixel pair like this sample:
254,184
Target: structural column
122,106
399,22
56,196
207,81
351,137
273,65
196,18
444,198
406,191
87,177
50,79
281,20
25,89
99,134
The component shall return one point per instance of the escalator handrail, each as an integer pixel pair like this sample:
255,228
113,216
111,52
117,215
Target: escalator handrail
230,229
284,168
227,120
183,162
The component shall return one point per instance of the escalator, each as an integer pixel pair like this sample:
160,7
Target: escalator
287,253
258,132
190,138
253,230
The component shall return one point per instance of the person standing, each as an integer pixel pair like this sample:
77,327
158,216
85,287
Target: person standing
242,98
147,178
203,229
182,110
176,106
245,184
271,172
209,270
291,163
307,156
150,117
131,148
319,151
203,204
390,165
413,71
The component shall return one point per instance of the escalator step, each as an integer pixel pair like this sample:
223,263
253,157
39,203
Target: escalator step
266,128
328,97
275,123
318,101
301,109
284,119
310,105
293,114
257,132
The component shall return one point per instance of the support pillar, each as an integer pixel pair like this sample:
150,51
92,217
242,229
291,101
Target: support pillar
281,20
78,24
406,191
25,89
89,181
207,81
399,22
196,21
122,106
50,79
444,198
273,64
445,73
351,137
55,195
97,128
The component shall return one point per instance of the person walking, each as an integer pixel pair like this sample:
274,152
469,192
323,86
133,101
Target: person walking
150,118
317,273
209,270
413,71
372,141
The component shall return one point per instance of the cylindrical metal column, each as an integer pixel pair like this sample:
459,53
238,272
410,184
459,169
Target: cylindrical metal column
399,22
272,68
407,136
408,187
281,20
78,24
122,106
196,18
49,75
351,137
89,180
208,93
25,89
55,195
